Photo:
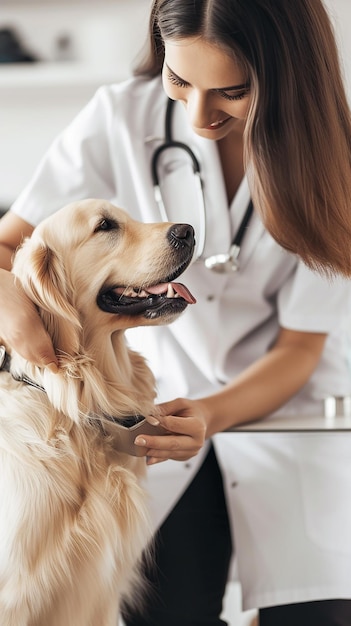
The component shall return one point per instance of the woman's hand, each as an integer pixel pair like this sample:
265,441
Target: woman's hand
20,325
186,421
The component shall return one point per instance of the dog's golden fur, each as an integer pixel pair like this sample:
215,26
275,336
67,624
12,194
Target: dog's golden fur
73,514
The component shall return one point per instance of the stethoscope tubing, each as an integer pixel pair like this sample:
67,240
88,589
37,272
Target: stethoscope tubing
168,144
215,260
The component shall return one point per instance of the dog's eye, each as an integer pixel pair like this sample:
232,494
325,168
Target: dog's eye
105,224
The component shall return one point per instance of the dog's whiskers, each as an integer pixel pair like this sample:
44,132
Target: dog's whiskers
125,291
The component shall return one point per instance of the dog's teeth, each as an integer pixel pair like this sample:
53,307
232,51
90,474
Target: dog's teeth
170,291
130,292
133,292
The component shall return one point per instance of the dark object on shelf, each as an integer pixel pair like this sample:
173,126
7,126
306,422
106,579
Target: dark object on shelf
63,47
11,49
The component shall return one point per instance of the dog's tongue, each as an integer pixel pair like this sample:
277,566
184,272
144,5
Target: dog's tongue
179,288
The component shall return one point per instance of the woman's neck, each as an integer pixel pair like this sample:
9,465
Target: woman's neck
230,150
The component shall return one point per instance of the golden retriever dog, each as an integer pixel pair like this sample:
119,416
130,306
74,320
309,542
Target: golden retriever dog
73,509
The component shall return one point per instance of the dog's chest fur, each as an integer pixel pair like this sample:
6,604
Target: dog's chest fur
75,511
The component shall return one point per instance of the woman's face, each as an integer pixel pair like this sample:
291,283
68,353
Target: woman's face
211,85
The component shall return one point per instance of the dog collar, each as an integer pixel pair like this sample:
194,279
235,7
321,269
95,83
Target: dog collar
109,425
5,366
5,359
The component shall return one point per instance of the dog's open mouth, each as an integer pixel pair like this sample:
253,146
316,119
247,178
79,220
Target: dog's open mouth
152,301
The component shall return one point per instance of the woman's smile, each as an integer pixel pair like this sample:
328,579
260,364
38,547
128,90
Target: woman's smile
216,125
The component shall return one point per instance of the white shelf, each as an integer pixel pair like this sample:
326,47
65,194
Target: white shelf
297,423
63,74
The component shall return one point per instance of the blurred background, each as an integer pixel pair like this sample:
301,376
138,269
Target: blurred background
53,56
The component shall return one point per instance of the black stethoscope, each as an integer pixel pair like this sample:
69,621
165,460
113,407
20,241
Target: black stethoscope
220,263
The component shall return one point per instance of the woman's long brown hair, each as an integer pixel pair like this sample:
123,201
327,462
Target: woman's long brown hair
298,131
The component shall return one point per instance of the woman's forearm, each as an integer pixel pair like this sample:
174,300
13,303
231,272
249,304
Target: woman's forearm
259,390
267,384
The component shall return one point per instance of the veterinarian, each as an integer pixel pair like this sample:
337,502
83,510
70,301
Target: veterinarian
260,102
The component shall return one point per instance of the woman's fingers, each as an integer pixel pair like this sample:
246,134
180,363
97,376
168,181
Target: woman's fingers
176,447
187,433
175,444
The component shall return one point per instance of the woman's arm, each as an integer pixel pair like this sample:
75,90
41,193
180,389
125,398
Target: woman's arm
258,391
20,325
267,384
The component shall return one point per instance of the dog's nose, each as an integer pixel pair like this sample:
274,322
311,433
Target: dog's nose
181,234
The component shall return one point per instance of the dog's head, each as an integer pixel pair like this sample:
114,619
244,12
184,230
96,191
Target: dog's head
92,265
93,272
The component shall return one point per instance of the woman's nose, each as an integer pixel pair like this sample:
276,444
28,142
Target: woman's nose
198,110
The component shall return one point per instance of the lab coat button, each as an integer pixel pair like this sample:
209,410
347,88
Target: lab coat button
210,298
187,465
234,484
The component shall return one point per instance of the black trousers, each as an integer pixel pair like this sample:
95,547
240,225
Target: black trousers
321,613
192,555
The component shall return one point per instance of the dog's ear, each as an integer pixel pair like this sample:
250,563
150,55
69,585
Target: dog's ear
43,277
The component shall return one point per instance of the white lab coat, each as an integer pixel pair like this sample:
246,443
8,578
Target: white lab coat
288,495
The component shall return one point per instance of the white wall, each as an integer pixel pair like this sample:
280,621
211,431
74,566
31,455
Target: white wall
340,11
37,101
94,27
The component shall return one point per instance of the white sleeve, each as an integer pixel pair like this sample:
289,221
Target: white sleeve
312,302
76,166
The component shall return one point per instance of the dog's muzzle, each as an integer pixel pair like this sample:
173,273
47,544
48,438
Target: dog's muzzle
167,297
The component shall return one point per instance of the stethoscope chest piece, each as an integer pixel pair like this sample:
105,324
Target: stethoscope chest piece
224,263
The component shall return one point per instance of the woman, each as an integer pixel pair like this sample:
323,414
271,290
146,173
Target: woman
265,111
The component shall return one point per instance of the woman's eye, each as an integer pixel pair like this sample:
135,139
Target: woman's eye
235,96
106,224
176,81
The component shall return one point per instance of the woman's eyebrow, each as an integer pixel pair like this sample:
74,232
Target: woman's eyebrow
231,88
